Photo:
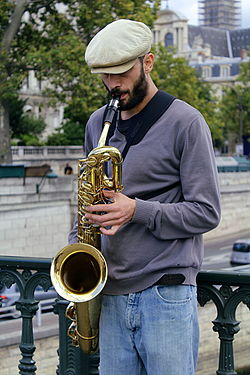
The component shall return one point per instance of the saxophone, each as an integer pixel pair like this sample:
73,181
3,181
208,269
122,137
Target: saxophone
79,271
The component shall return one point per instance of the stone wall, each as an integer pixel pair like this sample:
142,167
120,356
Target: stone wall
35,224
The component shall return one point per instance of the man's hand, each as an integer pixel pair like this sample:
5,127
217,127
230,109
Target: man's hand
117,213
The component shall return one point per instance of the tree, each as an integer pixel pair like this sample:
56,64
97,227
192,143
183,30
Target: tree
234,108
235,112
10,20
50,38
17,35
25,128
174,75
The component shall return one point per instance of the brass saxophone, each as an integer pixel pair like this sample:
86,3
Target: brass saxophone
79,271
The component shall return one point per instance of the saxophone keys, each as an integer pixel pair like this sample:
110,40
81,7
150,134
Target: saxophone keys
71,311
72,333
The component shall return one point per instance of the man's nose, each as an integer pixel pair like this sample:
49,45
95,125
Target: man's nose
113,81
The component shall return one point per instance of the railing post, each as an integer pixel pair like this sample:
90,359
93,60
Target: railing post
71,359
28,310
226,333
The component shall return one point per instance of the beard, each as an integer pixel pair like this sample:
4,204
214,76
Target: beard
135,96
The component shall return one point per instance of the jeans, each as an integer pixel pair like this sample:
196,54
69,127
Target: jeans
153,332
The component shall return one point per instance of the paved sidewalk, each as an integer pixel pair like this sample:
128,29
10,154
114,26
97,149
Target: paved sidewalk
10,330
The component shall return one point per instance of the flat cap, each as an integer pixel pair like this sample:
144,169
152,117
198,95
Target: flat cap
116,47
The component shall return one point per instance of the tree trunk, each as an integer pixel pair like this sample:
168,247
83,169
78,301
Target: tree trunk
5,148
15,21
5,43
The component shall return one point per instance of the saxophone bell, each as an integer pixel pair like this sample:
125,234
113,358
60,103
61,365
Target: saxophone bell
79,271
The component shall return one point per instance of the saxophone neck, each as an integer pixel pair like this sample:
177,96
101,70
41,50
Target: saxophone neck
112,109
104,135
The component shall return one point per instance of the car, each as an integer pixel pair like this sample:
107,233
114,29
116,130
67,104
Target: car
240,252
9,296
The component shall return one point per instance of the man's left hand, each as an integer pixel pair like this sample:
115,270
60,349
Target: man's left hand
116,214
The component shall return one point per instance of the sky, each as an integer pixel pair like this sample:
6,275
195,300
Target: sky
189,8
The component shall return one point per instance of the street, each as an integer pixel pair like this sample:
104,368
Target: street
218,251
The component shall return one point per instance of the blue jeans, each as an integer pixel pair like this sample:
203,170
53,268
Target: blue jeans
153,332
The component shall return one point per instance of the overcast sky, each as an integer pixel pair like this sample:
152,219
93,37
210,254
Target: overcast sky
189,8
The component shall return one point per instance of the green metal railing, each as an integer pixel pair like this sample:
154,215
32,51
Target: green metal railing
225,289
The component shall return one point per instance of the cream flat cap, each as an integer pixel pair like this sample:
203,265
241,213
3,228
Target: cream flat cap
116,47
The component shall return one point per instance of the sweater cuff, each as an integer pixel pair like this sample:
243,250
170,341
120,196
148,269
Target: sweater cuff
143,211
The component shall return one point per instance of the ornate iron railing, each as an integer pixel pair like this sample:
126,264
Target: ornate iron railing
225,289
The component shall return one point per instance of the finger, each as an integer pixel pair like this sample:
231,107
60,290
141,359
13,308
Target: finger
108,193
103,217
111,231
106,221
99,208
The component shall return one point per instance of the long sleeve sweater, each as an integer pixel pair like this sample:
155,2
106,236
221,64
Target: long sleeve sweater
165,233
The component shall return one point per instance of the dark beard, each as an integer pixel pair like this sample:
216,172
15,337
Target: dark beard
138,93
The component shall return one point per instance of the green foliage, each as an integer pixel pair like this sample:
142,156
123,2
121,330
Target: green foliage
51,40
244,75
174,75
16,111
5,12
234,107
60,58
91,16
70,133
235,111
25,127
32,125
29,140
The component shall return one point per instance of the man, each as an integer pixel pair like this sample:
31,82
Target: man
152,231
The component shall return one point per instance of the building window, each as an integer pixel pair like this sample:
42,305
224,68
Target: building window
169,40
206,71
224,71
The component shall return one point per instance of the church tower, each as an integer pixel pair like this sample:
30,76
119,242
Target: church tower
221,14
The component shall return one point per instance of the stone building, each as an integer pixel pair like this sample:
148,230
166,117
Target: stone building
215,53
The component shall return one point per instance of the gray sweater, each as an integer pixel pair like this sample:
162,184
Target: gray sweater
165,233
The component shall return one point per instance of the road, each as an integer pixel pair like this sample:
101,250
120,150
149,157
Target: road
218,251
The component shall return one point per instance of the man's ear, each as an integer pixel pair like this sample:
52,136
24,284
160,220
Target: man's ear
148,62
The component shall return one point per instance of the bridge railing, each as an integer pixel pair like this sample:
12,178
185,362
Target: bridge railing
27,152
225,289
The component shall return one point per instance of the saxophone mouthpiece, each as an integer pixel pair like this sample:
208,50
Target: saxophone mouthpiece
113,107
